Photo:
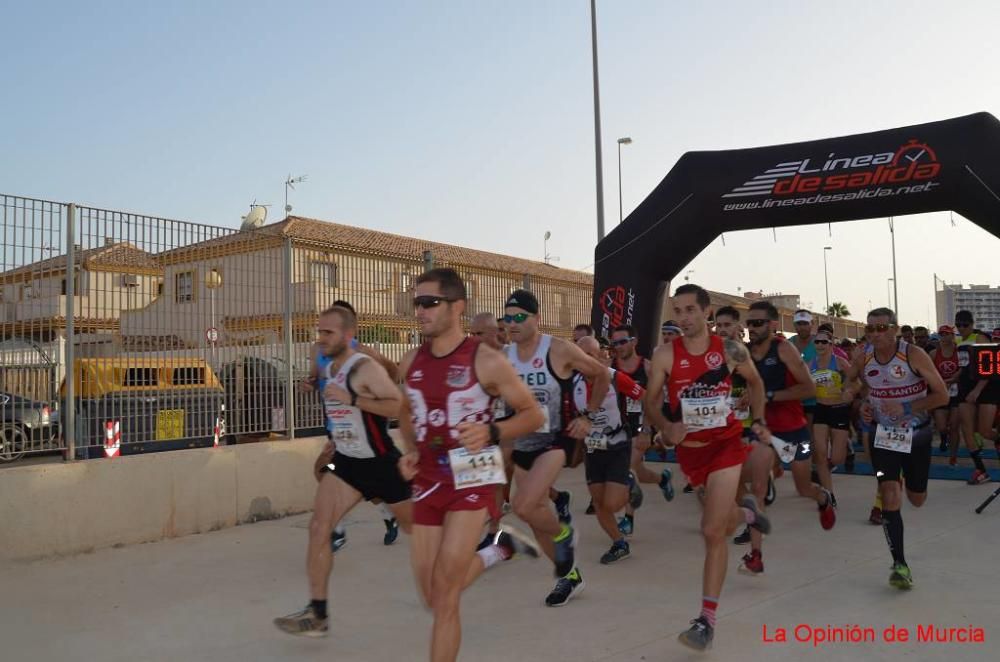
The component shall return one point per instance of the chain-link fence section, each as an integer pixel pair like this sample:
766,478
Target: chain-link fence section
179,335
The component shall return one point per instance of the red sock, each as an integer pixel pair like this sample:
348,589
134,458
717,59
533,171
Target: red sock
708,607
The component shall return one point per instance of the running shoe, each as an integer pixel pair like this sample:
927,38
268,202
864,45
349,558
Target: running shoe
667,485
515,542
752,563
743,538
978,478
635,495
337,540
698,636
565,551
626,525
875,517
303,623
900,577
590,508
827,512
772,493
391,531
619,550
563,499
761,522
486,541
565,589
688,489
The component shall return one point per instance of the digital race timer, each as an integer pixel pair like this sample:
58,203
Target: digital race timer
986,361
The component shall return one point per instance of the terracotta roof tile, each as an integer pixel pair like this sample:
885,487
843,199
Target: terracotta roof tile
122,254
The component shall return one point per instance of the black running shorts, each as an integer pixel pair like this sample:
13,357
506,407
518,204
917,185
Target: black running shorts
375,478
837,417
610,466
915,465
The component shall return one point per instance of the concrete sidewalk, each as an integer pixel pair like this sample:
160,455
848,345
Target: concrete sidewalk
212,596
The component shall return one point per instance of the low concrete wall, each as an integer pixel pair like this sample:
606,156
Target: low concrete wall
56,509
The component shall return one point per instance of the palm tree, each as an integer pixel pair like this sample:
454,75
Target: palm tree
838,309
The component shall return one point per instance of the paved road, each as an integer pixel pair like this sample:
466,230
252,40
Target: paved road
212,597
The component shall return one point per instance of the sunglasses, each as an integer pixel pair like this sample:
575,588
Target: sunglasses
880,328
516,318
821,342
622,341
758,322
430,301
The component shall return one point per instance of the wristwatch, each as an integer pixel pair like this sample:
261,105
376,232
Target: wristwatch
589,415
758,421
770,396
494,433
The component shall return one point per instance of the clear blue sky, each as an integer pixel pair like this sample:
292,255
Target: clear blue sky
471,122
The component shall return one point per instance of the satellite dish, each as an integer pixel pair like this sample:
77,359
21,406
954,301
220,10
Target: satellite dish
256,217
548,235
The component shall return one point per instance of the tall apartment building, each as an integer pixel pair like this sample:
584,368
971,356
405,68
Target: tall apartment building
982,300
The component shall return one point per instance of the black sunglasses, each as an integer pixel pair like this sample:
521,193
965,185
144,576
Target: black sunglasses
881,328
622,341
430,301
821,342
516,318
757,322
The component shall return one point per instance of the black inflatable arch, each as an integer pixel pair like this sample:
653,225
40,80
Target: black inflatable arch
949,165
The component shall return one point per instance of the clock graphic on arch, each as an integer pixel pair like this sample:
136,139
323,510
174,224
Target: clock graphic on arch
914,152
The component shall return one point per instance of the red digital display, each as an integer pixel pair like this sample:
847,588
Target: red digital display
986,361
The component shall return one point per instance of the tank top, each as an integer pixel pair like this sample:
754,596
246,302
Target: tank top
444,391
699,388
631,407
895,381
947,367
355,432
607,424
537,374
786,415
829,381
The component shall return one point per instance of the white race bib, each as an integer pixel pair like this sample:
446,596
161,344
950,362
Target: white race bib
785,449
633,406
484,467
596,441
344,434
894,439
953,389
963,359
705,413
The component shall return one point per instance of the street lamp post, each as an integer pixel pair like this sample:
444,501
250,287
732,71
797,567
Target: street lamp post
895,285
621,141
888,292
597,124
826,279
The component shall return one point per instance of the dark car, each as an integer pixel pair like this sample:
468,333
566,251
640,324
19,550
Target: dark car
28,425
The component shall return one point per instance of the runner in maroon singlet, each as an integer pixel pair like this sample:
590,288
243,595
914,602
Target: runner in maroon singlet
452,453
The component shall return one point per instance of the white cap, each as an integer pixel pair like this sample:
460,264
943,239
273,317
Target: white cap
802,317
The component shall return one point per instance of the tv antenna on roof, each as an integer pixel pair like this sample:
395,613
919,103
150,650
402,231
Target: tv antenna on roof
256,217
290,183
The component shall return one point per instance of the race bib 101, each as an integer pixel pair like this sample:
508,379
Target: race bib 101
484,467
705,413
894,439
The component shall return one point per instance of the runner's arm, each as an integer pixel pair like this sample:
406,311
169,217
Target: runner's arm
309,383
922,364
662,361
407,433
376,392
390,367
851,385
628,386
498,376
574,358
804,388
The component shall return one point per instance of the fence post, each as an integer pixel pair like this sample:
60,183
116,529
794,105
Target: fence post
68,414
526,282
289,350
428,260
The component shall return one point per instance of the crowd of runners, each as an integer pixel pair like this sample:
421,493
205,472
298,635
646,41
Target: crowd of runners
489,419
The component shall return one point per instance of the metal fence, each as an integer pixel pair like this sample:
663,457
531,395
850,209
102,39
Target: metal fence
176,334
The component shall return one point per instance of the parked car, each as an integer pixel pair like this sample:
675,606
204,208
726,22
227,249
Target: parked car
28,425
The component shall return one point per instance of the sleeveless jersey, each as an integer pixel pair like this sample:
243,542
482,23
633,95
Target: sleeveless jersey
829,381
608,421
699,388
541,380
895,381
632,407
947,367
355,433
786,415
444,391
